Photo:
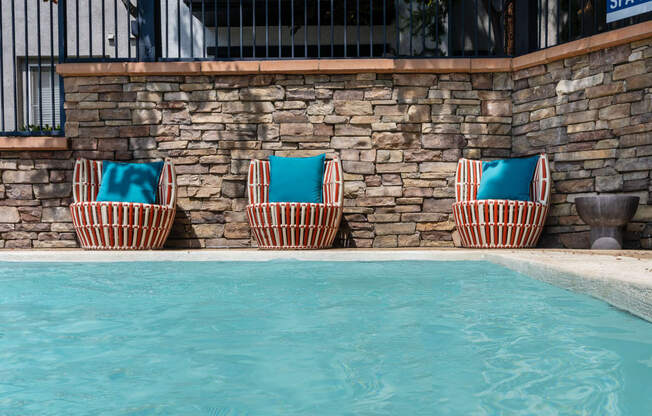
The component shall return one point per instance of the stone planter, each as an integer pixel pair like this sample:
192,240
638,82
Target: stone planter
607,215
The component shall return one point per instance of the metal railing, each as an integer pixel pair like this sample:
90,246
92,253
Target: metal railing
282,29
101,30
31,93
556,22
35,35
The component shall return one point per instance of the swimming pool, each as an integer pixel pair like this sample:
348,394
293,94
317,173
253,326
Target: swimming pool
318,338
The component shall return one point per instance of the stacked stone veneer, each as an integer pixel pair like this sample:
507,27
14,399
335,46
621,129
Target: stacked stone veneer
399,137
593,115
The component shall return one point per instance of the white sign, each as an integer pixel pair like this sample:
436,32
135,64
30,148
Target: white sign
622,9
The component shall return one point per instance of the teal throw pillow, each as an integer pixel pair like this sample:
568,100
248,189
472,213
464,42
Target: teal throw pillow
507,179
296,179
129,182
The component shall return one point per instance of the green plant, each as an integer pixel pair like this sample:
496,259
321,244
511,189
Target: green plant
428,20
38,129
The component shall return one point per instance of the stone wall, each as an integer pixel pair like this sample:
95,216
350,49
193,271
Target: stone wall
399,137
593,115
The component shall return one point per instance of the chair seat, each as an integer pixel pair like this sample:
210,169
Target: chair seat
495,223
121,225
292,225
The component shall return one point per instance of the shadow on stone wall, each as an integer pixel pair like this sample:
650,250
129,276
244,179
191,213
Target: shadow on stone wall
182,234
344,237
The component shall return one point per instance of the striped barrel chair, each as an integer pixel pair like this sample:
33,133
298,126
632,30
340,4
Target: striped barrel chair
494,223
294,225
120,225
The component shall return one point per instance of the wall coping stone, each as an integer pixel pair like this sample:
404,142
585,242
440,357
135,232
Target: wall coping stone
584,46
353,66
33,143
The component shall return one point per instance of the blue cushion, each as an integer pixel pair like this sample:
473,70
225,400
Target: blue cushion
129,182
507,179
296,179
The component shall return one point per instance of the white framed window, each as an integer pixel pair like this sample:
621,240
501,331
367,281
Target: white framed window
45,103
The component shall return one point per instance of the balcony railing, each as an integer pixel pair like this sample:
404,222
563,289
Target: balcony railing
541,24
35,35
282,29
31,100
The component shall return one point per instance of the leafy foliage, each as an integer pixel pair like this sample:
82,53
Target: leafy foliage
38,129
429,20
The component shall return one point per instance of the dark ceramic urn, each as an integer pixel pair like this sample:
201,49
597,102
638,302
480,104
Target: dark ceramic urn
607,215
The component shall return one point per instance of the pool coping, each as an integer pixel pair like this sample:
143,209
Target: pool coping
624,281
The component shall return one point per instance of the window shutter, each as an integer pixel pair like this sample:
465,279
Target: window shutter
45,100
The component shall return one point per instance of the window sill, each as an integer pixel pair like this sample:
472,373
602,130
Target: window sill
33,143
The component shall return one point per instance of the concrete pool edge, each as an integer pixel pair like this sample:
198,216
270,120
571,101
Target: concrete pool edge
622,281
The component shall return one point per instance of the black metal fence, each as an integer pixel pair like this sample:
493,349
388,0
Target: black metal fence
31,92
282,29
540,24
35,35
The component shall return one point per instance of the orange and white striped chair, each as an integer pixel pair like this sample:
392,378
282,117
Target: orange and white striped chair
294,225
120,225
495,223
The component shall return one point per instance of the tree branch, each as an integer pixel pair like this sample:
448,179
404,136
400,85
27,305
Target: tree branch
130,8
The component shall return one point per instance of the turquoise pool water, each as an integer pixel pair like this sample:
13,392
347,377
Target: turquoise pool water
312,338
